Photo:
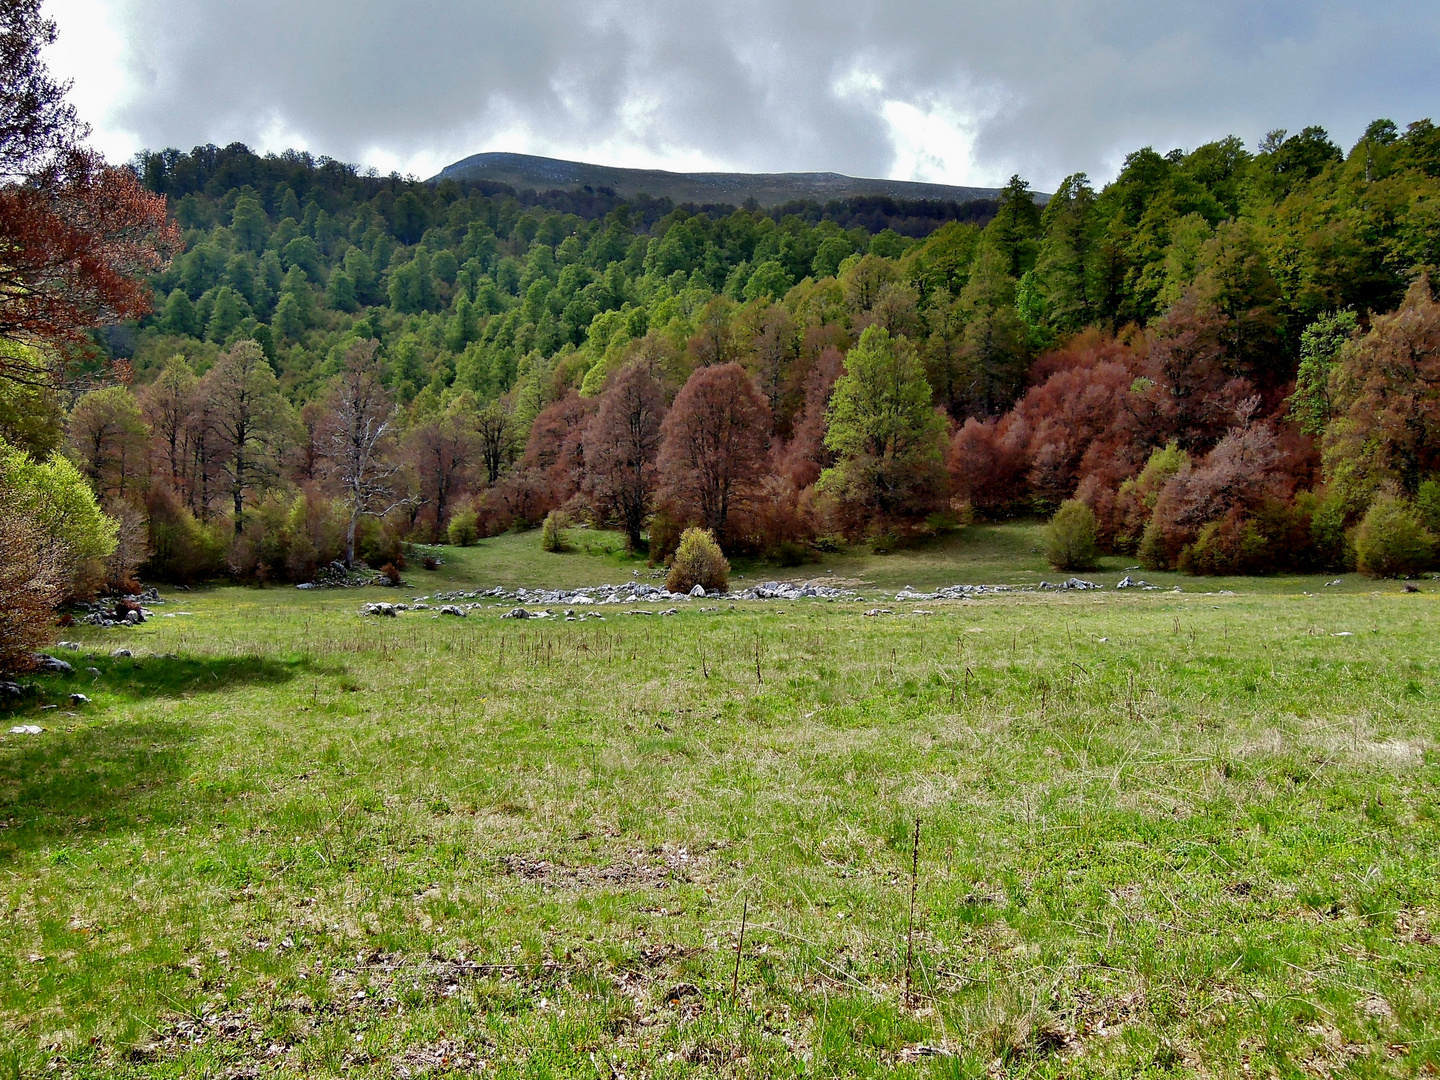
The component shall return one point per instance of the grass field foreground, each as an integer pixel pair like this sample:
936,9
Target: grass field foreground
1159,834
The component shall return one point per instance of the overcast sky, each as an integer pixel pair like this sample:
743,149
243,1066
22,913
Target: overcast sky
963,92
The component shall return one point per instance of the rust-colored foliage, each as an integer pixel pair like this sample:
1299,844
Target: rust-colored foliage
715,444
620,448
1387,397
76,241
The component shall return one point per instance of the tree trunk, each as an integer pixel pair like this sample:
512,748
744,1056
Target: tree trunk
350,538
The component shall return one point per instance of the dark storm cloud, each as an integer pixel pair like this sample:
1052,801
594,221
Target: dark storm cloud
1041,86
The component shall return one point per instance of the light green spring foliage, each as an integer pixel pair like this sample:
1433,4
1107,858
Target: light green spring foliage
1391,540
552,533
1320,346
698,561
54,495
1070,537
464,528
880,408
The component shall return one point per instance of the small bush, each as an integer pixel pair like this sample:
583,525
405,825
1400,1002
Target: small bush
552,534
391,573
1391,541
430,562
464,528
1070,537
698,561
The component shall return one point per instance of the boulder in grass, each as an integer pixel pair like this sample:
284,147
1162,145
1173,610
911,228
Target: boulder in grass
53,664
451,609
383,610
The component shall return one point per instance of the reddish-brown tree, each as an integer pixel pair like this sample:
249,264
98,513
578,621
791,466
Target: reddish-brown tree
166,404
805,456
440,451
1240,474
620,448
987,462
75,245
556,447
714,447
76,237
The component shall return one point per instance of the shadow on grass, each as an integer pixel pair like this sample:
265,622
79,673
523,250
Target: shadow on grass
139,678
91,780
106,776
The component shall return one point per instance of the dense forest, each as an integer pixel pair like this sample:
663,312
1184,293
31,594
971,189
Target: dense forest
1229,358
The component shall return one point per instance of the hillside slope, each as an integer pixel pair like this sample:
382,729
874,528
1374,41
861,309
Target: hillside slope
768,189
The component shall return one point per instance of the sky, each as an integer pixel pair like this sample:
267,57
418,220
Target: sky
960,92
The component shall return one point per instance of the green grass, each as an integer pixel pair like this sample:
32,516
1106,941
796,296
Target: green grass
1161,834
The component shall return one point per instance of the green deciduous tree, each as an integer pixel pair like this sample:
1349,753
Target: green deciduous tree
888,438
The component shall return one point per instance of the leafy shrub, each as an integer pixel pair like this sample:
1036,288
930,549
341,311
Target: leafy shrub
391,573
31,578
1427,505
181,548
1070,537
1231,545
698,561
56,499
789,553
1391,541
464,528
1334,547
552,534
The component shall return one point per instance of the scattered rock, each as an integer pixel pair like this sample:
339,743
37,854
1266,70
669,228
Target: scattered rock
26,729
46,662
698,590
878,611
1073,584
1411,587
517,613
73,646
381,609
79,699
120,653
10,691
451,609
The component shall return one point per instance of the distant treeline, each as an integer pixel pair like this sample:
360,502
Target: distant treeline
1211,352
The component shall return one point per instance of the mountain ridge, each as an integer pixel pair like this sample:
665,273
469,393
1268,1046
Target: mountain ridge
767,189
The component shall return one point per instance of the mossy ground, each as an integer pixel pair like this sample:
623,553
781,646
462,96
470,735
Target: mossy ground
1160,833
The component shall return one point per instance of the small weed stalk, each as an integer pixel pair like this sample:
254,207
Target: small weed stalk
910,927
739,947
759,679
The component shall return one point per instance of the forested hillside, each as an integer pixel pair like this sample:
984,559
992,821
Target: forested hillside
903,365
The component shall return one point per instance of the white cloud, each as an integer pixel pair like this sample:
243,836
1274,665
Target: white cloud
960,91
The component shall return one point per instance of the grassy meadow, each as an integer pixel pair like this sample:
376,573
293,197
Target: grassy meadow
1160,833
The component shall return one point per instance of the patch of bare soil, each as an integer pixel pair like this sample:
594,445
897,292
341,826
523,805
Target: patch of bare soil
637,868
